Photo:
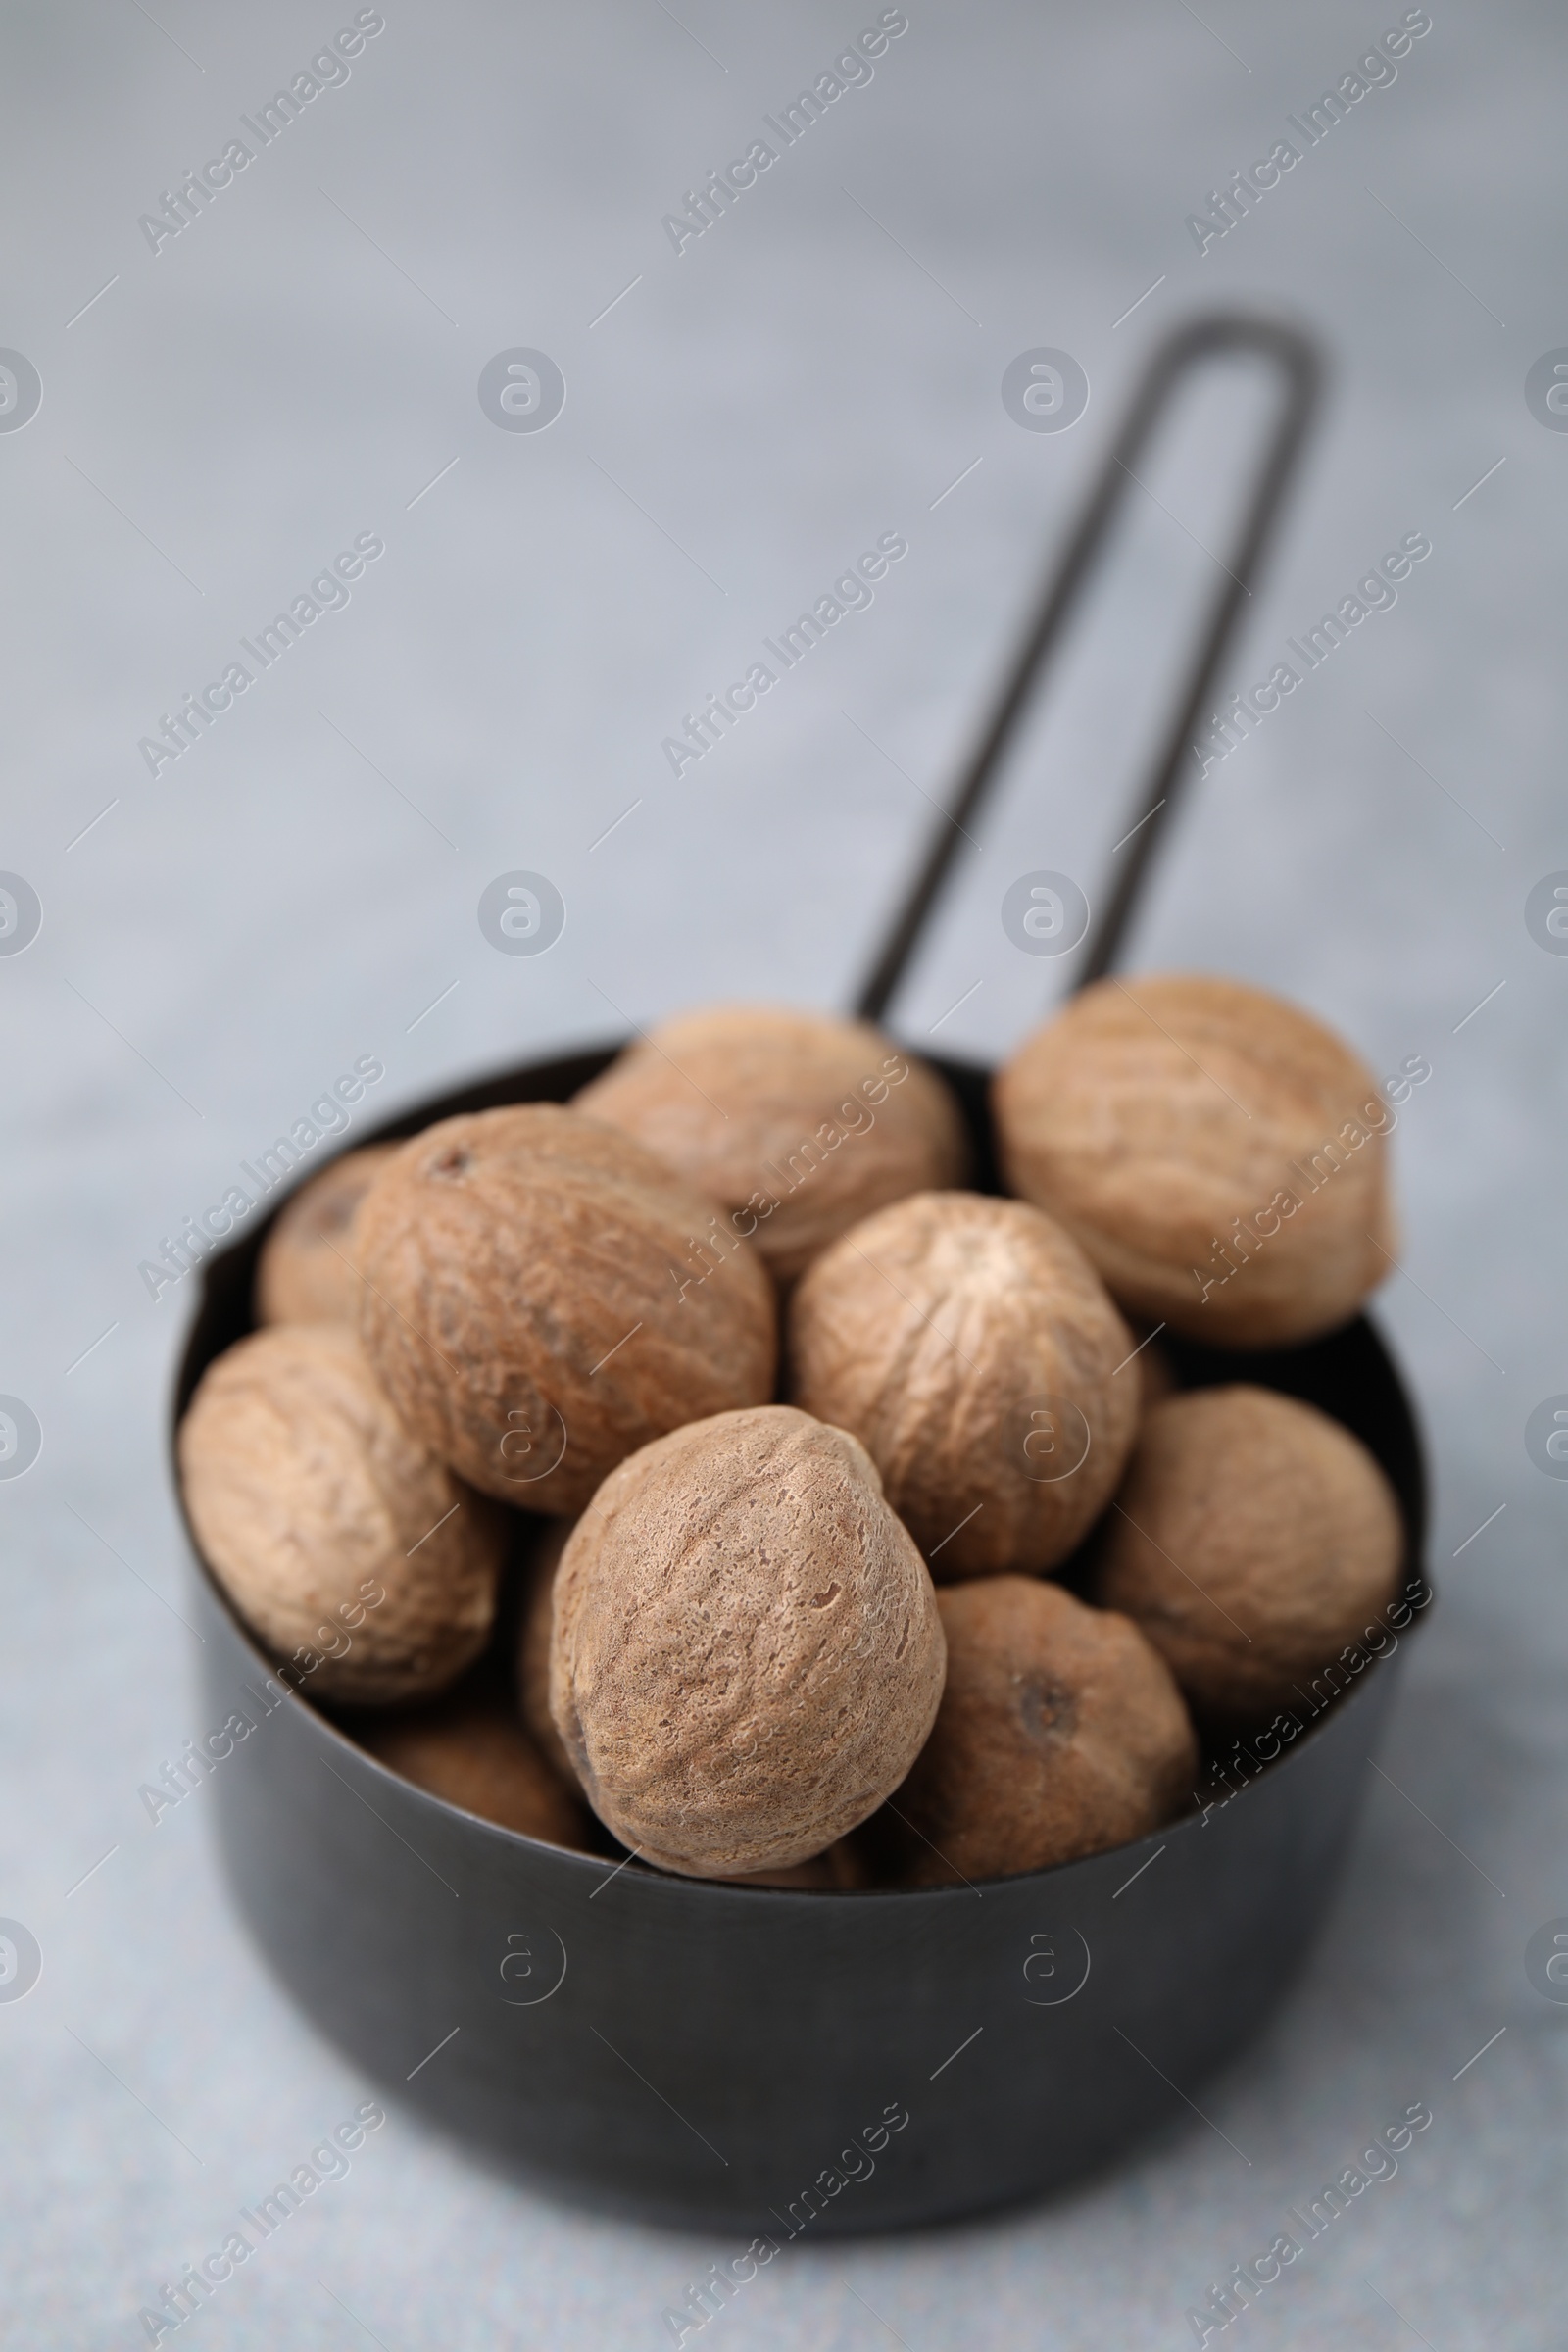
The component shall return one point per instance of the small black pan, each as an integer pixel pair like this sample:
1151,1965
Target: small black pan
822,2063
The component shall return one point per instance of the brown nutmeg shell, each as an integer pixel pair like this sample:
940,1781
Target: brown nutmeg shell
306,1272
1061,1733
796,1125
523,1308
747,1653
972,1348
308,1499
475,1754
1253,1541
1218,1152
533,1648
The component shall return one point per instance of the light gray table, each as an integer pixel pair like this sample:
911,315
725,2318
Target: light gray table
299,365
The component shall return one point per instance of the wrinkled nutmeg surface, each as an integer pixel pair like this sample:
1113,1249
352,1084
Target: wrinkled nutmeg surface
794,1124
475,1754
1256,1539
305,1273
972,1348
840,1868
522,1309
747,1653
308,1498
1192,1131
1061,1733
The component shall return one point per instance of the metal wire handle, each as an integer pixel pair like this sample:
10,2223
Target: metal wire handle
1207,338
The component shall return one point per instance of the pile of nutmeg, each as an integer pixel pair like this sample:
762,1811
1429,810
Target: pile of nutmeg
866,1534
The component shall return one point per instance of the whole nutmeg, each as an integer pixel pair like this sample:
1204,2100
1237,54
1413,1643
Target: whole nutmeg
1254,1538
747,1653
971,1348
533,1646
337,1537
794,1124
523,1308
475,1754
841,1867
1218,1153
306,1271
1061,1733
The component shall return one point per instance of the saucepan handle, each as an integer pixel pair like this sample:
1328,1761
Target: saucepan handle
1220,334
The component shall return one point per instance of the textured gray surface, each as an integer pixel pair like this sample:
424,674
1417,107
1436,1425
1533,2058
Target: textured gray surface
302,884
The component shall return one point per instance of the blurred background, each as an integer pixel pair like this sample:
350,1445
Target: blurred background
711,429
